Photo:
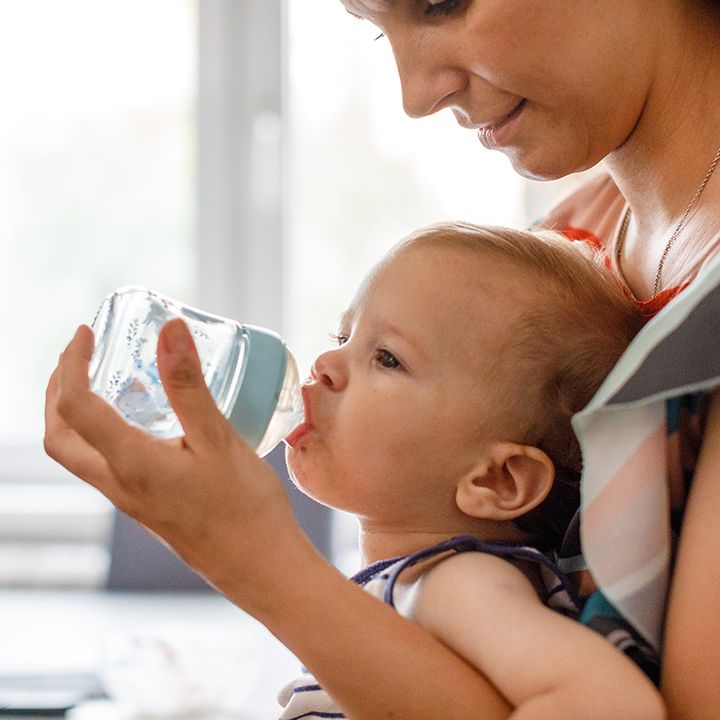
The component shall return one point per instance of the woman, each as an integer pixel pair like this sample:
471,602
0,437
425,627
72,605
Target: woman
557,86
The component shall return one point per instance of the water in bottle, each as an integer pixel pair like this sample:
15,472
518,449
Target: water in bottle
249,370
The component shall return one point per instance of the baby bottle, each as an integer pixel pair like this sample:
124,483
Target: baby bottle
249,370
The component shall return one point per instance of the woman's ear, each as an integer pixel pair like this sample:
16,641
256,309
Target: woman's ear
510,481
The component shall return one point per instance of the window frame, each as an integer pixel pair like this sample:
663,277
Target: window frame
238,206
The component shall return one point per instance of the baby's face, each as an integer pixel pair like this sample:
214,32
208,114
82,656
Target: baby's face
398,410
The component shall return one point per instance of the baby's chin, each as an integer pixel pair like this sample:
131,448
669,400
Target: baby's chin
309,481
292,462
298,472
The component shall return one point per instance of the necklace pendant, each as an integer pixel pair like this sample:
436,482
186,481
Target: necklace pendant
620,241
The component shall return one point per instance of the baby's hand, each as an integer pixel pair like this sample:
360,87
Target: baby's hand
207,494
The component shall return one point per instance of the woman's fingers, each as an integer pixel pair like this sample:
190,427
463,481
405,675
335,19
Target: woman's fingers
172,487
66,447
89,416
185,387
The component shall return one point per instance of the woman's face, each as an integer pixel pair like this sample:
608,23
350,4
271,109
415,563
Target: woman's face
554,84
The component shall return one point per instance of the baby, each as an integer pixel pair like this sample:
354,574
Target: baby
442,421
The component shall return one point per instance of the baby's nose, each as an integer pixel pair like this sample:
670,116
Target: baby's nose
329,369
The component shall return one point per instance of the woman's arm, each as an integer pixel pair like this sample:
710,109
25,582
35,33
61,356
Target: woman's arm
691,655
224,511
548,666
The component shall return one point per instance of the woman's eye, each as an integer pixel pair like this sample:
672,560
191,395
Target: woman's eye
387,360
444,7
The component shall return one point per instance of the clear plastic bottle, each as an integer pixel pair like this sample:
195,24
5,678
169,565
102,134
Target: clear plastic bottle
249,370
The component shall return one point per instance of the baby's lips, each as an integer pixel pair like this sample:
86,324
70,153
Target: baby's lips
294,437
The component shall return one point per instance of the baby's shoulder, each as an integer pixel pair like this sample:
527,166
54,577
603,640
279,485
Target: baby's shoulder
476,578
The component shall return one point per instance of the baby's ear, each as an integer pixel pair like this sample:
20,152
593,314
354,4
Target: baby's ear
507,483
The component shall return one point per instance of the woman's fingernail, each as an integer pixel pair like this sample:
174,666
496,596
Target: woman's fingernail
177,338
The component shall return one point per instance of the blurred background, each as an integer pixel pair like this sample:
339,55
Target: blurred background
250,157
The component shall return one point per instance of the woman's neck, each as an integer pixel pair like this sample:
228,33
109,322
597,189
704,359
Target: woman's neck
661,163
660,166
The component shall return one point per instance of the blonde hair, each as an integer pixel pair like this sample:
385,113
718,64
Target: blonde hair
570,325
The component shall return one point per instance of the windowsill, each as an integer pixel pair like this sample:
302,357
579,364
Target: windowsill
79,632
53,512
53,565
53,535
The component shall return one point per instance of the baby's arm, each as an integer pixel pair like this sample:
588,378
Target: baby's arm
692,632
546,665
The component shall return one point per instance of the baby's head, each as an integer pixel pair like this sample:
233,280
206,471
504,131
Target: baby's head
567,323
461,361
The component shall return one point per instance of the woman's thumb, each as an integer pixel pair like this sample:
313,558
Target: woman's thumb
182,378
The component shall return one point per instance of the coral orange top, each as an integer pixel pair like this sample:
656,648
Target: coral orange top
593,213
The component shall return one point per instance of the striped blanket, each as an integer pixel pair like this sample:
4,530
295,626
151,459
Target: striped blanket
640,436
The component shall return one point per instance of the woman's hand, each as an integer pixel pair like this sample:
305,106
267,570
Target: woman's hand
224,511
195,492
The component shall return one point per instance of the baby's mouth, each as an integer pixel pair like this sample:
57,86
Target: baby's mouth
296,435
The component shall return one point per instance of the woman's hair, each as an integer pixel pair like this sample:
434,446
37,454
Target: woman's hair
571,322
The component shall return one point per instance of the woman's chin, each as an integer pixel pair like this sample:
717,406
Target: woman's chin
552,161
542,169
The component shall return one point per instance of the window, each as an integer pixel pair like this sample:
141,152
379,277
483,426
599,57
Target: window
150,143
97,153
363,174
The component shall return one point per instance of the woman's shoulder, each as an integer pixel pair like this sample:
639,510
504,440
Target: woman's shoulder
592,208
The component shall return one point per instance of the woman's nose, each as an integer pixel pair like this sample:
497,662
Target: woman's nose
428,83
329,369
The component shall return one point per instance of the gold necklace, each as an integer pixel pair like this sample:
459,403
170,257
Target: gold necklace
678,229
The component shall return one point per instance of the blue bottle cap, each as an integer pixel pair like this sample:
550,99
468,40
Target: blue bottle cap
262,378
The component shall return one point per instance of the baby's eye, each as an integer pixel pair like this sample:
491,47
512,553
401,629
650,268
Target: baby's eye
443,7
338,338
387,360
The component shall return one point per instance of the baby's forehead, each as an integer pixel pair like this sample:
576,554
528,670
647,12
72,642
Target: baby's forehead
479,267
441,281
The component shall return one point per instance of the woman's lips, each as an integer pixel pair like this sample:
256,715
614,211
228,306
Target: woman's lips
499,133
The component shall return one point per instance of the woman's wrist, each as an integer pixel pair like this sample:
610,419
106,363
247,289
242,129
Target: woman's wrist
256,565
